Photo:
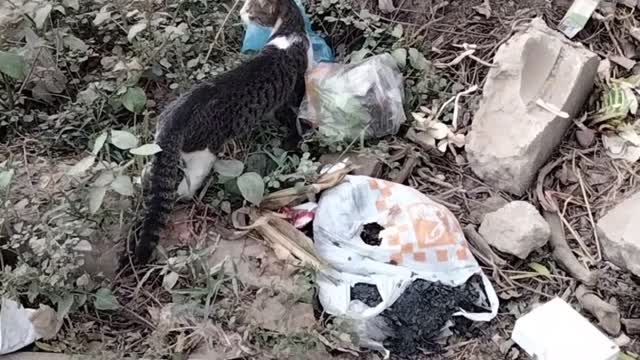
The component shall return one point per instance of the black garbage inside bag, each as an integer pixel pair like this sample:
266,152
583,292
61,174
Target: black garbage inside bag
371,234
422,311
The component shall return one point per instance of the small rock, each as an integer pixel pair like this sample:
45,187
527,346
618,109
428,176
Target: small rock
512,136
369,164
619,232
586,137
517,229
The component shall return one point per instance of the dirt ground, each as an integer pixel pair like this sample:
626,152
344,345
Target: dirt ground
584,181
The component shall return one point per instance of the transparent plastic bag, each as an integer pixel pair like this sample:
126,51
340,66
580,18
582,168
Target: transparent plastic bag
346,102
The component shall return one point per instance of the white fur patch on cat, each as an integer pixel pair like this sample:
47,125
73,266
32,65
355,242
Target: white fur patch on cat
283,42
198,167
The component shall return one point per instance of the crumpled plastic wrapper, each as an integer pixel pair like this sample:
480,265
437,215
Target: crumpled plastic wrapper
347,102
20,327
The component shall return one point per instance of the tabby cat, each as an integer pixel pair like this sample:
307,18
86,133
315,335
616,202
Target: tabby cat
194,127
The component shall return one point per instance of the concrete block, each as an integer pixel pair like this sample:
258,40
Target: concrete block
512,136
619,232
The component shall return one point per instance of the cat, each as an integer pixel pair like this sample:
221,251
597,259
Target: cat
195,126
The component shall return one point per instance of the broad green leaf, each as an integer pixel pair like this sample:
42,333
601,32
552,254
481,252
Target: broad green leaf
123,139
417,59
251,186
397,32
401,57
102,16
146,150
88,95
74,4
105,300
358,56
134,99
75,43
64,306
136,29
123,185
5,178
170,280
99,143
104,179
96,196
228,168
12,65
540,269
82,166
193,63
625,356
83,280
42,14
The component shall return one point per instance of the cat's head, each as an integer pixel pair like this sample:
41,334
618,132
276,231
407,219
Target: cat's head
262,12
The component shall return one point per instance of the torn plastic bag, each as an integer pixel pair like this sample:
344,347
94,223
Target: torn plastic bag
256,37
347,102
421,248
20,327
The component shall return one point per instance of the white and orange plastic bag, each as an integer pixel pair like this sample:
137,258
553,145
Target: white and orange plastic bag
421,240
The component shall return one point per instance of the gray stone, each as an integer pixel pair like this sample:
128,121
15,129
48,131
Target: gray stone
516,229
619,232
512,136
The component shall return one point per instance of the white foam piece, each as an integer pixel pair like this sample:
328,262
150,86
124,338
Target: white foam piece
555,331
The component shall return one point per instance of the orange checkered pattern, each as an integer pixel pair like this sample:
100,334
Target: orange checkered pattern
434,239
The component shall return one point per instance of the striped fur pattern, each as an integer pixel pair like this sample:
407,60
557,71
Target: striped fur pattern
195,126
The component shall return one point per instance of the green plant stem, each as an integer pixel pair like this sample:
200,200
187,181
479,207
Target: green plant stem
9,88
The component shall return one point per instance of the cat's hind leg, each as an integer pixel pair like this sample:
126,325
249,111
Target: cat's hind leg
198,165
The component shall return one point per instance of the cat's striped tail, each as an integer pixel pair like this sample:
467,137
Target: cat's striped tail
159,200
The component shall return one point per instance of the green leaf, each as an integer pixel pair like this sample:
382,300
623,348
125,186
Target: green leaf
74,4
252,187
12,65
358,56
228,168
75,43
170,280
5,178
417,59
134,99
104,179
136,29
105,300
99,143
123,139
540,269
146,150
102,16
401,57
41,15
64,306
82,166
123,185
397,31
96,196
625,356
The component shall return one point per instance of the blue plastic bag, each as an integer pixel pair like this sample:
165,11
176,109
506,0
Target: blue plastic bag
256,37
